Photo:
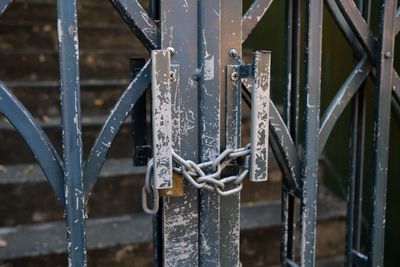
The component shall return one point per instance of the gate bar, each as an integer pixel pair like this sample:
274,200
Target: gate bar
355,179
291,117
210,98
75,214
231,38
179,27
313,26
382,100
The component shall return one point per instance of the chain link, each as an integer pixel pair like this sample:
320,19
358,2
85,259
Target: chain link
196,175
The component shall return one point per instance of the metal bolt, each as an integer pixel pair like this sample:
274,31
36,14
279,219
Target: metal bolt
171,50
172,76
235,76
233,53
196,74
388,55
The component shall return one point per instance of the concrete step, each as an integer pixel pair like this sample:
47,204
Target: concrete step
15,151
42,98
27,35
39,65
46,11
259,230
117,192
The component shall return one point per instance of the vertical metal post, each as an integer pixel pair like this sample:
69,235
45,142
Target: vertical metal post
210,104
179,26
309,175
382,100
291,112
75,214
231,38
355,182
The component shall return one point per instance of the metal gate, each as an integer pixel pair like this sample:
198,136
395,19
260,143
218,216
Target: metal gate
198,81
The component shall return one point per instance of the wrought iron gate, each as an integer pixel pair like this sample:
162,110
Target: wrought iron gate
198,81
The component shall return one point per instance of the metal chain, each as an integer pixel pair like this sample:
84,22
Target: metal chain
195,173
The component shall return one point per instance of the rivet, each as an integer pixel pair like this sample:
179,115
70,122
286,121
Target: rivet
235,76
196,74
171,50
233,52
388,55
172,76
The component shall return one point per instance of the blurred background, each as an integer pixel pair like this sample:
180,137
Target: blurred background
119,232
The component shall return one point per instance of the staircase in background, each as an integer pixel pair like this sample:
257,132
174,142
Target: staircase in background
119,233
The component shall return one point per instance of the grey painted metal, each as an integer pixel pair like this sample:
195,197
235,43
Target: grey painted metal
139,22
260,99
161,118
3,5
210,105
397,22
231,38
37,140
355,180
342,99
75,211
313,28
230,208
291,113
282,146
110,128
253,16
180,215
383,92
203,112
344,26
358,24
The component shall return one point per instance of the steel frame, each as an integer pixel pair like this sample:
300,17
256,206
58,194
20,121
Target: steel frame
202,228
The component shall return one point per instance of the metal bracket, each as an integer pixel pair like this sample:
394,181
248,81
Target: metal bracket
259,72
161,111
260,98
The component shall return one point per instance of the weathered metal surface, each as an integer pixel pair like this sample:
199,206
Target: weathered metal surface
161,112
75,211
313,26
139,22
291,117
37,140
231,37
180,215
355,181
110,128
3,5
358,25
260,116
203,110
253,16
210,86
342,99
282,145
383,92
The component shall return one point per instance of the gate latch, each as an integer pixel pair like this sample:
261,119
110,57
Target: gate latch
160,167
257,77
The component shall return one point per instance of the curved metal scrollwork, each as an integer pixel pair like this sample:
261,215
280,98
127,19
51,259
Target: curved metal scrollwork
36,138
114,121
